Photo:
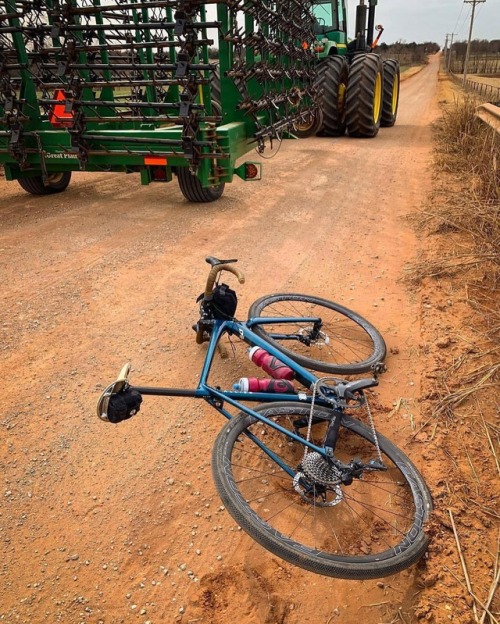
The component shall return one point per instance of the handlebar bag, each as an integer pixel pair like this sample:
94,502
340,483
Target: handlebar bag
224,302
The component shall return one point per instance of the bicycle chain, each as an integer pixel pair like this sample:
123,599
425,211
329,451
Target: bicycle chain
372,425
368,411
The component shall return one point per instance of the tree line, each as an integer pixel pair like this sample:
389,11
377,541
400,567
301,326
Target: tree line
408,53
477,46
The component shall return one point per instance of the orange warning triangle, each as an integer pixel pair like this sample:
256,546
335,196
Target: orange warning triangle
58,116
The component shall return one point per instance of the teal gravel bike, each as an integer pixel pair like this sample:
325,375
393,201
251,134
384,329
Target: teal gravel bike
299,472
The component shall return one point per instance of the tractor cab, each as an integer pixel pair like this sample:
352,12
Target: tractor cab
330,28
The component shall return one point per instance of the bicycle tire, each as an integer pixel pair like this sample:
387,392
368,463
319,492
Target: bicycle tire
350,343
344,540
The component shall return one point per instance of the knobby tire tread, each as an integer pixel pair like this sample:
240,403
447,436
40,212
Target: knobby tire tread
361,94
332,73
391,74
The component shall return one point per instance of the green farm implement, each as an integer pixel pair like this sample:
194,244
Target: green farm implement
128,85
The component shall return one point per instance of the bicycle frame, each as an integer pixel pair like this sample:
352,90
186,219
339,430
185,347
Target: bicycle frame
217,397
272,449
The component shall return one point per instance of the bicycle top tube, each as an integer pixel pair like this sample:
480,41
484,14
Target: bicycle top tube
241,329
205,391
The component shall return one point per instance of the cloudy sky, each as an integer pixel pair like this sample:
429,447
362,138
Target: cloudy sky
430,20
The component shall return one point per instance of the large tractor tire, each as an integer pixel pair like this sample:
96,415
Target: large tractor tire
390,99
332,81
192,189
364,96
57,183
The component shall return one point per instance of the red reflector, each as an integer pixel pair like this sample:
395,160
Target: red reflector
251,171
155,160
58,116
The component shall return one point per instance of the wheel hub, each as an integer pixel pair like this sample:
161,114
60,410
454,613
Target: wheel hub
318,483
320,338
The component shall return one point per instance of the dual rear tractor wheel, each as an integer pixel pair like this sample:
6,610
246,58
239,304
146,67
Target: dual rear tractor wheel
359,98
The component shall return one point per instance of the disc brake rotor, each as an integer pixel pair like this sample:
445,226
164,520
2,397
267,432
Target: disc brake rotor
321,339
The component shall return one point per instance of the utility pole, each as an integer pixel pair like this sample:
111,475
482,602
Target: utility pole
446,47
473,2
450,51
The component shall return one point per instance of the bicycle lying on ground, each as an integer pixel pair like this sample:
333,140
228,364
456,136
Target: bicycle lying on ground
298,472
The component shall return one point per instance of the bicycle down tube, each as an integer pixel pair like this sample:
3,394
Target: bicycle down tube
304,478
207,392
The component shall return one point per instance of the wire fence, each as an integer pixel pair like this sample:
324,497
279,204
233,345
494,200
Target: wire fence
487,92
478,64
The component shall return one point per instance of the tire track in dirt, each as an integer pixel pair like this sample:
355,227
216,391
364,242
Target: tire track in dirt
119,270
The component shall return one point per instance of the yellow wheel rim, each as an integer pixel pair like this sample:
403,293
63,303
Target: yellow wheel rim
395,94
304,126
377,98
54,178
341,98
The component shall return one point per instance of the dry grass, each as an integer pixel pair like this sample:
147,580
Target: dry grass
468,214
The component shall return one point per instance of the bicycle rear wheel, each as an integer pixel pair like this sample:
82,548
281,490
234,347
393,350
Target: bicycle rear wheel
369,529
343,342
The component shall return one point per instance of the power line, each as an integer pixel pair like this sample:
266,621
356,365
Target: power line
467,54
459,16
448,64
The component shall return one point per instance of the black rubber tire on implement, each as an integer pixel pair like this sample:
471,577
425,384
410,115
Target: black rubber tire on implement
390,100
310,127
364,96
346,334
192,189
263,499
58,182
332,81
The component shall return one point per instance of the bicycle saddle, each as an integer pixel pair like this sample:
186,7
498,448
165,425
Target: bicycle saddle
215,261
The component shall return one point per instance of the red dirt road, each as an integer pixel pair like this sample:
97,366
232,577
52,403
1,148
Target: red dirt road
122,524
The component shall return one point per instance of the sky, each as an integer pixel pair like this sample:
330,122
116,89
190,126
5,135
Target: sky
430,20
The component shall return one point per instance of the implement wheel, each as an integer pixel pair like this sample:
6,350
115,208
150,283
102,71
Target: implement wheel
310,126
391,93
332,83
364,96
57,182
192,189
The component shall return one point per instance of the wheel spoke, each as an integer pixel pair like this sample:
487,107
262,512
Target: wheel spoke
371,520
344,341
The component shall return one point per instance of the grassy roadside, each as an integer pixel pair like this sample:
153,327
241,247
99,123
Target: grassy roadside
459,280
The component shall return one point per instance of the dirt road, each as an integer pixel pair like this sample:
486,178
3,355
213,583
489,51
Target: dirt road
122,524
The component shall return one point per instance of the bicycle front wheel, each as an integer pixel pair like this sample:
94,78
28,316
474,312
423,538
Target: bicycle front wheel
298,508
341,342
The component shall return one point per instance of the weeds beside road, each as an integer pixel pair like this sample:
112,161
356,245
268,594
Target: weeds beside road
460,395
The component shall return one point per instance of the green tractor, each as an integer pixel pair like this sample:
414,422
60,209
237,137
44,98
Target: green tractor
358,91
